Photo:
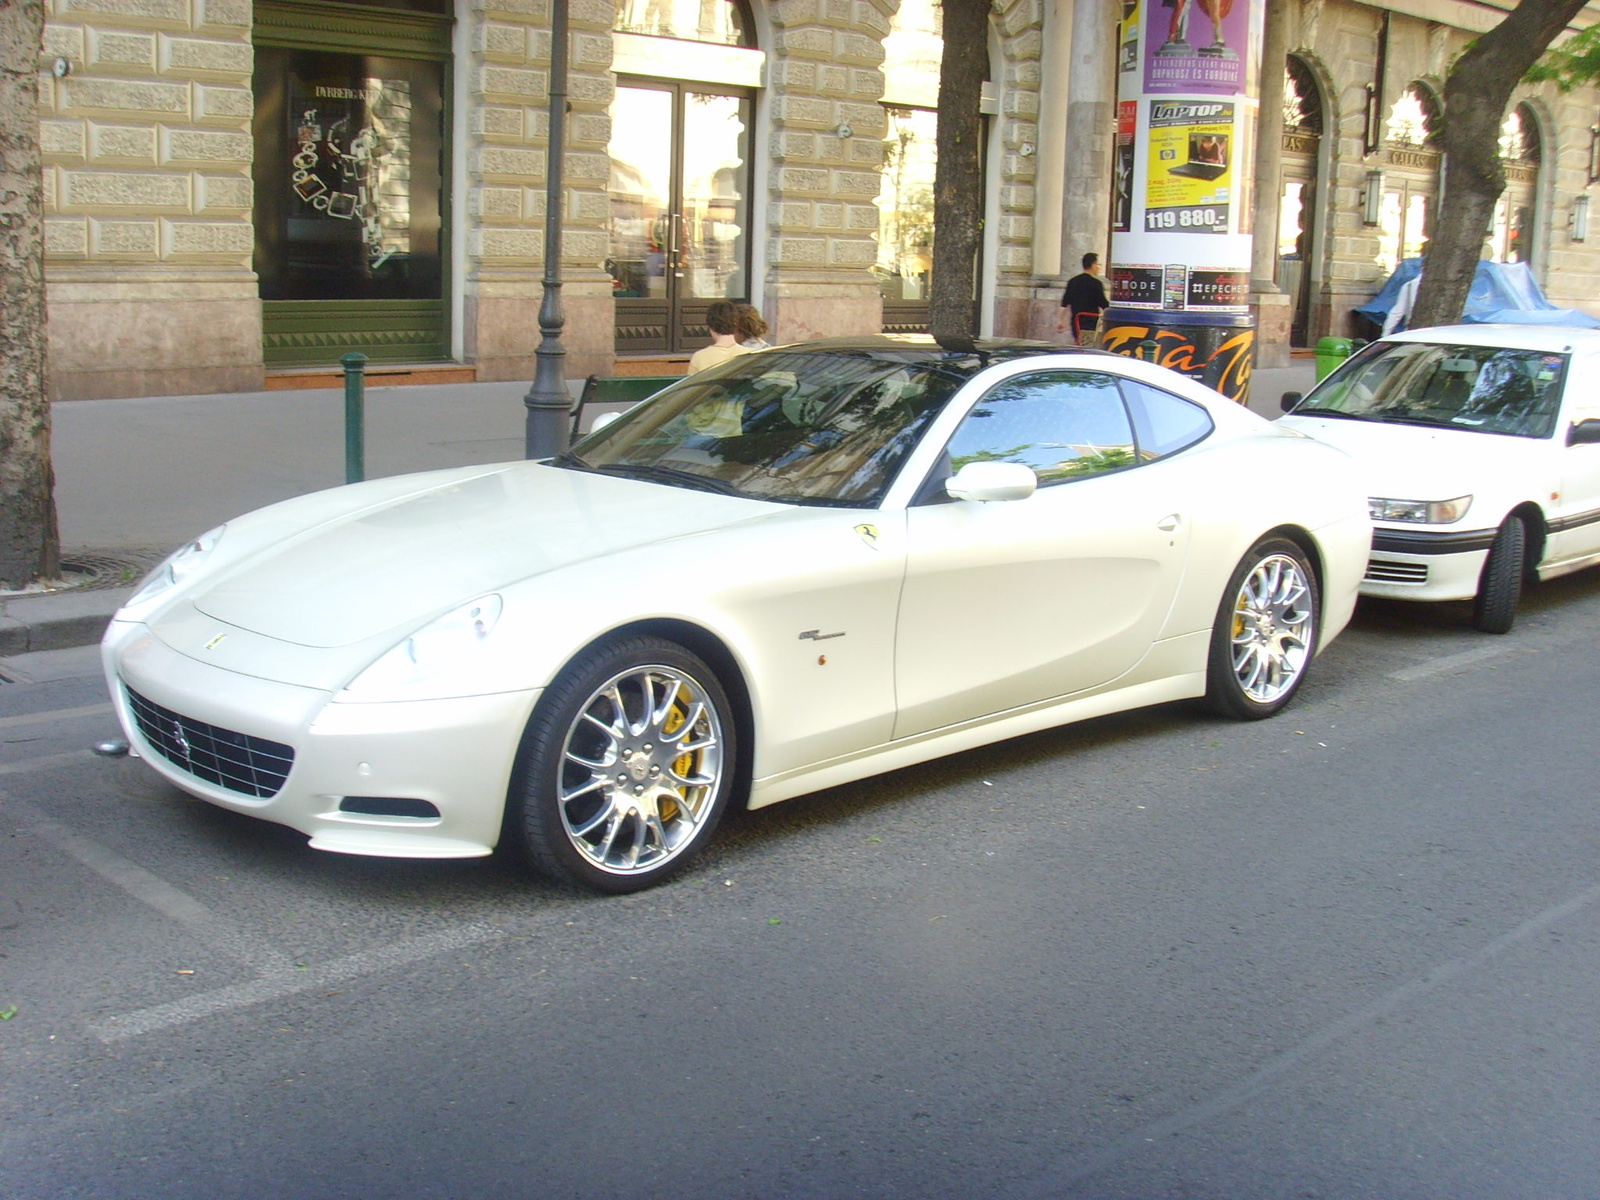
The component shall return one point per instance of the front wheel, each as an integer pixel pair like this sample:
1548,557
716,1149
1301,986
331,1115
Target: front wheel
1494,608
1265,632
626,766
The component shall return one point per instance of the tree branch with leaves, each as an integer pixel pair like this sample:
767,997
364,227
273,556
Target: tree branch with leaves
1477,93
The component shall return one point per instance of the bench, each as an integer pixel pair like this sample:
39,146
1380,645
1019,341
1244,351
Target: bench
617,393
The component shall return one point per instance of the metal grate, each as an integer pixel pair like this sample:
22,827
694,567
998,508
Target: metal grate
250,765
1379,571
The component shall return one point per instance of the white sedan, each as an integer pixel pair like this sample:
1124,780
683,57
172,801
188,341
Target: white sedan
1481,450
803,567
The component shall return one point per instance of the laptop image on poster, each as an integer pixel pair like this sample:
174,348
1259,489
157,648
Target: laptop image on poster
1208,156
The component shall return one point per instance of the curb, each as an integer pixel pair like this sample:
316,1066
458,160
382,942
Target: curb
57,620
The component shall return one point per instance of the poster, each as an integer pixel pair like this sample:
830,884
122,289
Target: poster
1217,289
1128,37
1189,184
350,160
1122,166
1195,46
1136,285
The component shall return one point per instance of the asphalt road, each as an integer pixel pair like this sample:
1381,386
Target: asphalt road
1347,952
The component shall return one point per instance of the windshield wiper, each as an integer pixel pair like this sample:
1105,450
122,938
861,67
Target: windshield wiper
1334,412
570,461
654,473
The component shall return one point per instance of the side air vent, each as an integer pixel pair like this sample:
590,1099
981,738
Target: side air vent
1379,571
389,806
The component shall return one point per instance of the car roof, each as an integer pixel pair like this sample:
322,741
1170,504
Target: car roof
1549,339
966,356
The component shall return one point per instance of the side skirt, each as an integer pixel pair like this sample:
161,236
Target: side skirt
1187,650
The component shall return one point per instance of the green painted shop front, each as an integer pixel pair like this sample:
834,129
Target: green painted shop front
351,181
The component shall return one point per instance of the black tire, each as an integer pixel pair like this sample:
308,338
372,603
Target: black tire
1265,634
1494,608
653,776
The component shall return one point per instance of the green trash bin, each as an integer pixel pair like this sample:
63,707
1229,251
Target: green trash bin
1331,351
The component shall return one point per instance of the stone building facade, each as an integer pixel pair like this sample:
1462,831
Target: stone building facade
206,221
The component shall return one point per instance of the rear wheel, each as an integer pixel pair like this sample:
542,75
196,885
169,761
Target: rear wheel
1265,632
627,765
1494,609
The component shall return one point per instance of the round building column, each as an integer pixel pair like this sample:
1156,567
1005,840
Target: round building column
1182,214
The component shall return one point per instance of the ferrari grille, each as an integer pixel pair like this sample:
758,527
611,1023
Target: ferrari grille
1379,571
249,765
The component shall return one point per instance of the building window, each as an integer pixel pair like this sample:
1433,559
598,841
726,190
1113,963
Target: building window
722,22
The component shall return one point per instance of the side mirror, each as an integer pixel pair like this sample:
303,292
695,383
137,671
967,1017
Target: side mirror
1584,433
992,481
1290,399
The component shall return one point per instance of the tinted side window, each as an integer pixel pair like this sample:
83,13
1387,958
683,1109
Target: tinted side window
1064,424
1165,423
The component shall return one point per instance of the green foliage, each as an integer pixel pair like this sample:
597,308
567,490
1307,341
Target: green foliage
1573,64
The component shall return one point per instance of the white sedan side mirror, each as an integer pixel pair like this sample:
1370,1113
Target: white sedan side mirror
992,481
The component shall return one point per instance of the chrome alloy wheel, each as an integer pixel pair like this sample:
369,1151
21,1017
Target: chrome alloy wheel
640,767
1272,628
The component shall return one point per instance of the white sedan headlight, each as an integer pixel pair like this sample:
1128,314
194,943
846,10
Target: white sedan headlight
446,644
1420,512
180,565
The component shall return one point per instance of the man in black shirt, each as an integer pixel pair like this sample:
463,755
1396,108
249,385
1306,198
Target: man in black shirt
1084,300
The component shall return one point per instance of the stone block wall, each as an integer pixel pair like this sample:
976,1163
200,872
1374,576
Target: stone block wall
147,152
507,133
1017,308
824,72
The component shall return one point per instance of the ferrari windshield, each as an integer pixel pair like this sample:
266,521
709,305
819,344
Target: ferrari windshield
1487,389
799,427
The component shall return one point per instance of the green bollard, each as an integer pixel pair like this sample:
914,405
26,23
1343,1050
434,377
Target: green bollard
355,401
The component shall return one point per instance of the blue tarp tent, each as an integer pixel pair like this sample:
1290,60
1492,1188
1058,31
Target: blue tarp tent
1503,292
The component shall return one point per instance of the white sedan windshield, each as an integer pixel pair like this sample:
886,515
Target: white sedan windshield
1487,389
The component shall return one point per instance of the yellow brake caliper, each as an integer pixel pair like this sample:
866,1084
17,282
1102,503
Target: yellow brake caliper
669,807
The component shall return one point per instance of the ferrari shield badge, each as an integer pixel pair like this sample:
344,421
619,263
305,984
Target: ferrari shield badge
869,534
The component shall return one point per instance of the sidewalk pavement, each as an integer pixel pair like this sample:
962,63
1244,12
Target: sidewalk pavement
137,478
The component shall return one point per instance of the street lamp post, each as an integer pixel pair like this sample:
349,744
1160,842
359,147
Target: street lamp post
548,402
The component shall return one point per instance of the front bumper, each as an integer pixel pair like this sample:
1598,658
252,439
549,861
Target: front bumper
1408,563
454,754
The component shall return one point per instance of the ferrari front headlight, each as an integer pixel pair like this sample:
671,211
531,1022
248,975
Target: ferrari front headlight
446,643
180,565
1420,512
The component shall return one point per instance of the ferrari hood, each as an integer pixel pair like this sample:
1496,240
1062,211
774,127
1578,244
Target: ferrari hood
408,554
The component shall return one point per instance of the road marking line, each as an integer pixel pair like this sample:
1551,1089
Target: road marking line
220,933
1450,662
1071,1171
280,986
60,714
44,762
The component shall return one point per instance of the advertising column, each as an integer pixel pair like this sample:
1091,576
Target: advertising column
1180,244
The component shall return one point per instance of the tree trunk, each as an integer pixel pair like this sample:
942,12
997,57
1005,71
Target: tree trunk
29,544
958,173
1476,94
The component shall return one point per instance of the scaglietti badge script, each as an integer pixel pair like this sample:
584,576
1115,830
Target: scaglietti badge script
816,635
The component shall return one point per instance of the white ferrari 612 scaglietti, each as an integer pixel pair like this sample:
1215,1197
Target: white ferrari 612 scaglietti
802,567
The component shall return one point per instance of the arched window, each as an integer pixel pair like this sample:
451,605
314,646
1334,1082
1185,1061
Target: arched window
1302,99
723,22
1511,239
1414,119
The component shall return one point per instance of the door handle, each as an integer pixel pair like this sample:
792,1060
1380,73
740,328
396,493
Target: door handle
1168,523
